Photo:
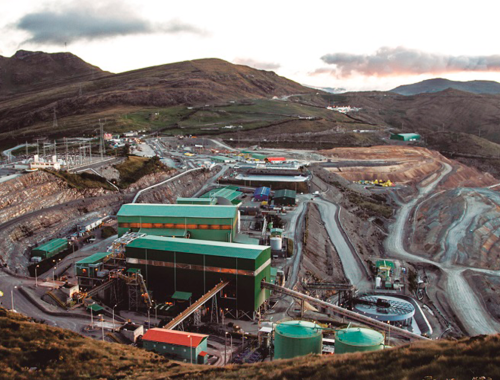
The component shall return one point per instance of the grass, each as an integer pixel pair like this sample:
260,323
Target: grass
30,350
134,168
82,180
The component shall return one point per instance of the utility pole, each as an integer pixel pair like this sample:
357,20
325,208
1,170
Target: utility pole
37,149
101,140
90,151
54,122
66,143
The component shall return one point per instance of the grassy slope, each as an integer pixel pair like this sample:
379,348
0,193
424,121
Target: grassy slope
62,354
134,168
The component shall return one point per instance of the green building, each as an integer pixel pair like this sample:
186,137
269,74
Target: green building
225,195
204,222
284,197
88,270
178,345
405,136
50,248
196,266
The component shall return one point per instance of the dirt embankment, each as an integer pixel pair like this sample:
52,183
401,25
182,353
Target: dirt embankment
35,191
320,262
461,226
401,164
489,289
38,207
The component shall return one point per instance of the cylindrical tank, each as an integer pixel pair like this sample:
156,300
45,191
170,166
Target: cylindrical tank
297,338
358,339
275,243
378,282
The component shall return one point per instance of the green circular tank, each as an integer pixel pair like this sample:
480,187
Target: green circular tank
297,338
358,339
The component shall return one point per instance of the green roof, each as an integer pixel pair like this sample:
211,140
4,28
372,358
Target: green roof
258,156
298,329
52,245
95,307
95,258
245,239
133,270
201,201
384,263
285,194
280,230
360,337
164,232
182,296
181,211
203,247
224,192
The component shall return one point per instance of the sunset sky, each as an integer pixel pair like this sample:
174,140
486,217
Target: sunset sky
357,45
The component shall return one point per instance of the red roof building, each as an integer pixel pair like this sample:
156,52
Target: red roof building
178,345
276,159
178,338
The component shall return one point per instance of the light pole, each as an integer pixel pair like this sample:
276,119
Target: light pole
54,274
191,348
12,297
156,314
114,316
36,276
149,318
225,348
92,315
102,325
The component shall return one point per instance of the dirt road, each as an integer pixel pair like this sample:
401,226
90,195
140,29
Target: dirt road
463,300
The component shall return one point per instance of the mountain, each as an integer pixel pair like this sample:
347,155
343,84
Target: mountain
31,350
80,101
440,84
32,70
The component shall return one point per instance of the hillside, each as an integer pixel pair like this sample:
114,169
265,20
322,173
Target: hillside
79,104
32,71
29,350
440,84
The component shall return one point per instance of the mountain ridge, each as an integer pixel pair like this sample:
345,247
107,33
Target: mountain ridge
441,84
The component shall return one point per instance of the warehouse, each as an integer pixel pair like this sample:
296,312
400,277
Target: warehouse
262,194
50,248
224,196
178,345
195,266
284,197
405,136
205,222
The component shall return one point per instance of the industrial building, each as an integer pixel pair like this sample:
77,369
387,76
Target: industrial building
358,339
405,136
90,270
393,310
50,248
262,194
297,338
196,201
195,266
284,197
223,160
178,345
228,195
204,222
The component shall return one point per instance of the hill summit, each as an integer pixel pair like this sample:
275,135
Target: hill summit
440,84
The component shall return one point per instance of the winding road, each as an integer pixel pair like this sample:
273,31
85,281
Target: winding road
465,303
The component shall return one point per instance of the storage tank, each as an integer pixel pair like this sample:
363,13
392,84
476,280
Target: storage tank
378,282
275,243
358,339
297,338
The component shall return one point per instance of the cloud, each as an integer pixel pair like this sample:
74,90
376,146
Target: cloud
257,64
388,61
84,21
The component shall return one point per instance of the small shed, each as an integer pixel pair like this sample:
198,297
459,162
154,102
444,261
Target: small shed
262,194
405,136
50,248
179,345
284,197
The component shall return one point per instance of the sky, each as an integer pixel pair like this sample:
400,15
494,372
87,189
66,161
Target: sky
355,45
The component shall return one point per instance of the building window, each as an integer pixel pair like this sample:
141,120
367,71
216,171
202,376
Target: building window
184,350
